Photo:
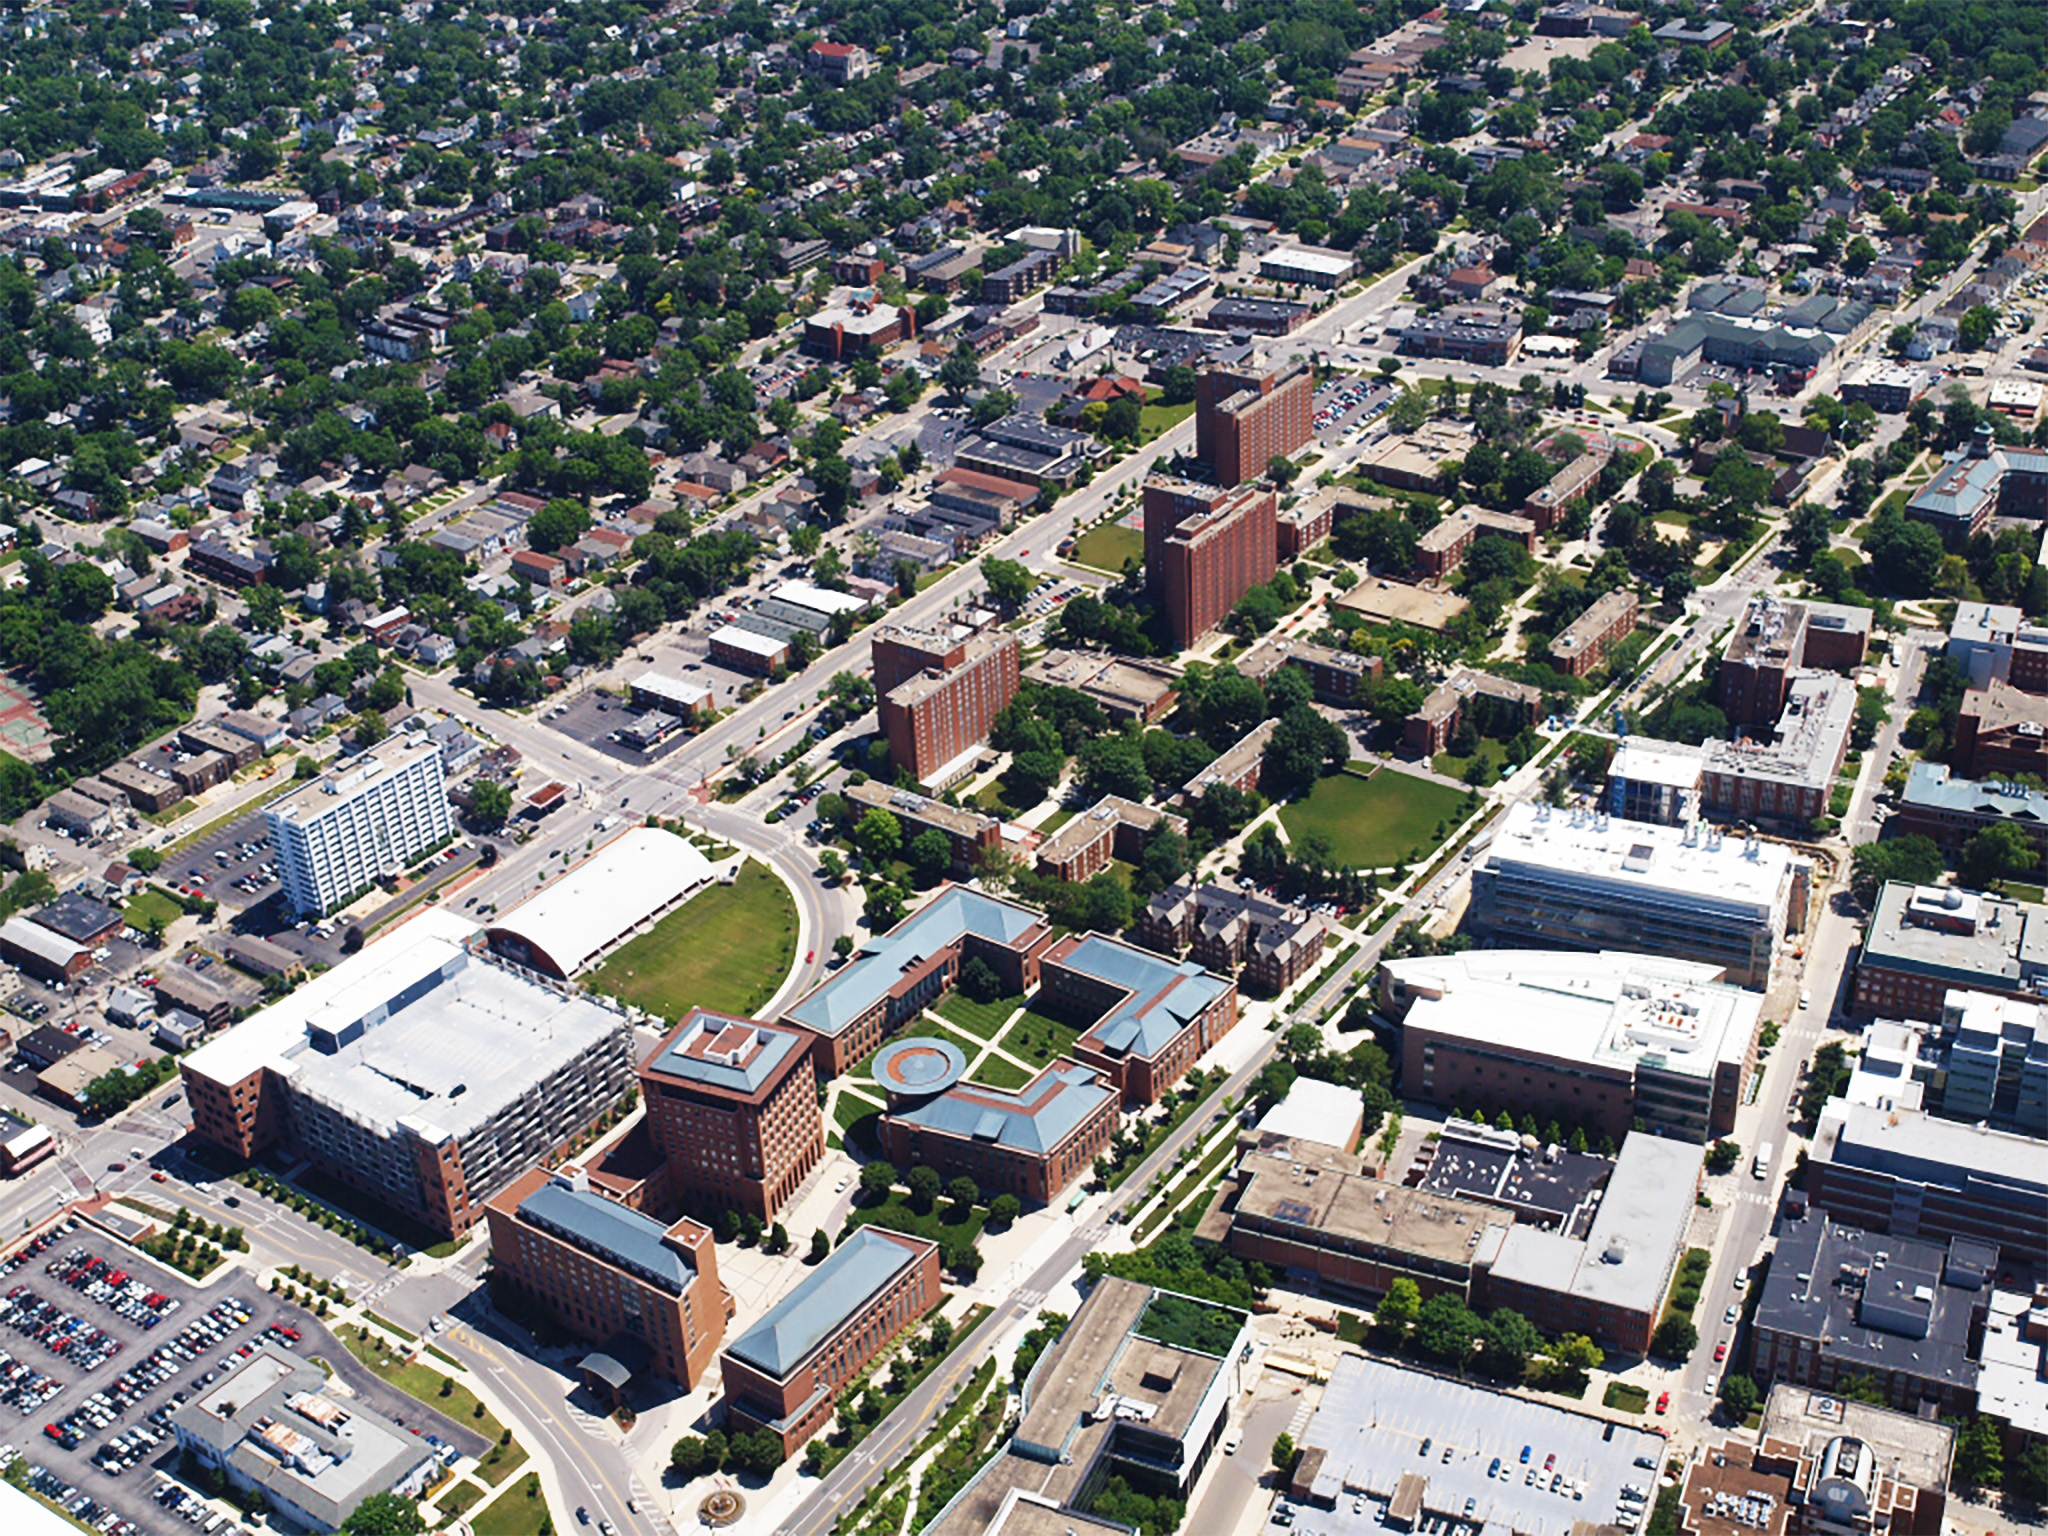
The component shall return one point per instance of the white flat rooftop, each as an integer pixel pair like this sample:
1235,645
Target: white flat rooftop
637,875
1717,871
1608,1009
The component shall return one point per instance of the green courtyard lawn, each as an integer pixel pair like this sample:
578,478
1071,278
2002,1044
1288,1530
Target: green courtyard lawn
1107,545
1374,822
1038,1038
1452,766
941,1223
979,1019
726,948
147,903
521,1510
997,1072
860,1121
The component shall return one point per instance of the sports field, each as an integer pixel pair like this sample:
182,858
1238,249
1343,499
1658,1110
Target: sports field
727,948
1374,821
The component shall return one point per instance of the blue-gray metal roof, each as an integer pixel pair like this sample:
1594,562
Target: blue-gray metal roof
1165,995
1931,784
1007,1118
609,1231
838,1000
672,1060
847,1281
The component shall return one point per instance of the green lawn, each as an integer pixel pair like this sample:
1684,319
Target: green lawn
938,1223
501,1461
978,1019
458,1499
1037,1039
1373,822
457,1404
520,1510
727,948
1626,1397
1155,419
859,1120
1452,766
147,903
1108,545
997,1072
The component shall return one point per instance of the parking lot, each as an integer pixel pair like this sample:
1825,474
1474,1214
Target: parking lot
98,1347
595,719
234,865
1346,405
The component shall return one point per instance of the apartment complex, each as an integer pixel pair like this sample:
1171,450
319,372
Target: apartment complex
1270,944
1924,940
1031,1142
647,1294
969,833
937,716
732,1106
1244,420
417,1071
1113,828
1610,1041
1204,549
894,976
1582,880
1584,643
1495,706
337,835
783,1374
1338,677
1153,1017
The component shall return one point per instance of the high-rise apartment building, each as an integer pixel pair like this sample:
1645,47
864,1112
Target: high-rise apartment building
1204,549
938,715
373,817
733,1106
1244,419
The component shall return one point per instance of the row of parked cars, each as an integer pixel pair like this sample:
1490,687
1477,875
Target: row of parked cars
79,1505
86,1346
99,1280
24,1388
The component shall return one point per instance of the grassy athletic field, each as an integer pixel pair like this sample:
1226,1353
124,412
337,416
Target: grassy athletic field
1375,821
727,947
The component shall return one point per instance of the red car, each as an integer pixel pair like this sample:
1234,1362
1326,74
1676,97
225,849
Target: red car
1664,1402
160,1177
1720,1351
810,955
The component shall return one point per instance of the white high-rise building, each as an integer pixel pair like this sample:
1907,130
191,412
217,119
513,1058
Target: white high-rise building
338,834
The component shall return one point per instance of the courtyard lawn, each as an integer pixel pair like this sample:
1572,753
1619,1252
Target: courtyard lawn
1107,545
941,1222
149,903
726,948
1452,766
997,1072
1373,822
521,1510
860,1119
1038,1038
979,1019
